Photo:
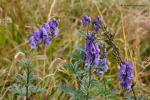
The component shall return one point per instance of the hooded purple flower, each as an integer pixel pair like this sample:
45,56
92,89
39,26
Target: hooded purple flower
36,35
54,31
92,50
54,23
32,42
46,26
44,34
98,22
48,41
86,20
102,66
126,75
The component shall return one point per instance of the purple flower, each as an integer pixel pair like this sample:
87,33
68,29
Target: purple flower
54,31
102,65
99,72
36,35
96,56
97,26
98,22
91,48
103,62
54,23
46,26
126,75
32,42
99,19
86,20
48,41
45,34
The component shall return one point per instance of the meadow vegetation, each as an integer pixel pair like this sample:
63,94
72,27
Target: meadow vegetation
129,22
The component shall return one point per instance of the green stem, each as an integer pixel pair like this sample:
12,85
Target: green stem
105,87
27,98
90,73
28,73
133,93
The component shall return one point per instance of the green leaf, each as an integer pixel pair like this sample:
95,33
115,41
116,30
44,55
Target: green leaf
68,89
85,82
35,89
20,79
79,95
32,77
70,67
94,82
17,90
83,34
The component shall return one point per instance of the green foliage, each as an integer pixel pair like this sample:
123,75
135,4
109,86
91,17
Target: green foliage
68,89
32,89
81,73
16,89
24,83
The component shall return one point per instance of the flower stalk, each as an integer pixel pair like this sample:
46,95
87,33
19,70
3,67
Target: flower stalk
127,78
133,92
27,84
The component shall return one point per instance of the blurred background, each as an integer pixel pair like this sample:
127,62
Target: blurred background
129,21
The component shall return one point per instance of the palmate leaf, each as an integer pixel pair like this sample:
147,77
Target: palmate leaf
17,90
80,95
34,89
68,89
32,77
22,90
85,82
74,69
20,79
94,82
70,67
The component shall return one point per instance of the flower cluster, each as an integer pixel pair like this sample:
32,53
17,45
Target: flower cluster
98,22
95,52
92,49
126,75
102,66
86,20
45,34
